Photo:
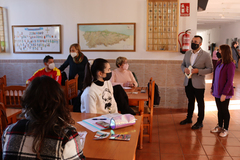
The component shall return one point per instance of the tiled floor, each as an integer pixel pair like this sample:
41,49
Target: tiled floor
172,141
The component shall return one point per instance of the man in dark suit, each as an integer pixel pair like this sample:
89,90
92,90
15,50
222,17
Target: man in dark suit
201,64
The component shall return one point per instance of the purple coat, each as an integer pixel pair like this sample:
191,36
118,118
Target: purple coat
225,82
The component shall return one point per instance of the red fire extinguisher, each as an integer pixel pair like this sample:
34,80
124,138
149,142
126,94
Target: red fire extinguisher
185,46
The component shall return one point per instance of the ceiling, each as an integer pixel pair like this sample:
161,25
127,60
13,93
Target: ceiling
218,12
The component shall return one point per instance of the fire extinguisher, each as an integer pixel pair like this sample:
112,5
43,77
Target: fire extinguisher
185,46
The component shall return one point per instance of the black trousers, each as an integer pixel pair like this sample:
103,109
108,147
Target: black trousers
192,94
223,112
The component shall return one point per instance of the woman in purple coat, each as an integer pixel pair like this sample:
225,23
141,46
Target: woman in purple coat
222,88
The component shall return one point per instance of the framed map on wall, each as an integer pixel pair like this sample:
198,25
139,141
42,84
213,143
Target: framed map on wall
114,37
36,39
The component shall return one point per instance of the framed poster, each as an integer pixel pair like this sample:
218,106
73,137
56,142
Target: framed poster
114,37
36,39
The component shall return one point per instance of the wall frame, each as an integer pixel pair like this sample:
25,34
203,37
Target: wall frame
102,37
36,38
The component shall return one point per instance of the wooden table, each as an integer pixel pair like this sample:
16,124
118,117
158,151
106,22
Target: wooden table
138,100
109,149
12,114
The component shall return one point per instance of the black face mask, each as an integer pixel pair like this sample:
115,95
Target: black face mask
108,76
237,47
194,46
219,55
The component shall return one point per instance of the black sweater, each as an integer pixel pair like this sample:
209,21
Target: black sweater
75,68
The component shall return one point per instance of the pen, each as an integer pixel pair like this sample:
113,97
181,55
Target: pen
99,119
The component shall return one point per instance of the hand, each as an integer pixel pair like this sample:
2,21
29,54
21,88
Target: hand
128,84
194,71
187,71
222,98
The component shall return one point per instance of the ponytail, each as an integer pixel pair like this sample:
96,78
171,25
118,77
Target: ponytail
90,74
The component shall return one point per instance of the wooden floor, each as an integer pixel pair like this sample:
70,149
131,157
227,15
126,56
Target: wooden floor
172,141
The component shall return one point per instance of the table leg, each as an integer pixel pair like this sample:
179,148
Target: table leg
141,110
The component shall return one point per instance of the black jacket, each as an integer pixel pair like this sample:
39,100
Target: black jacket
75,68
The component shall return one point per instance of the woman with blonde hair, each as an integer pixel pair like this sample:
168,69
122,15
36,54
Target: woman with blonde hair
222,88
77,62
122,76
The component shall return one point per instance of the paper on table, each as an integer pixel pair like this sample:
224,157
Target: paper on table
190,74
127,88
91,124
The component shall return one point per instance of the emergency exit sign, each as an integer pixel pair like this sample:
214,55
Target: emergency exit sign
185,9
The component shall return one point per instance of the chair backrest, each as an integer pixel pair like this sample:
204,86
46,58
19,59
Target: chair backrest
151,91
71,88
1,96
12,96
3,82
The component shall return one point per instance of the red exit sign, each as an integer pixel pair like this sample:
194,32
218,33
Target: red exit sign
185,9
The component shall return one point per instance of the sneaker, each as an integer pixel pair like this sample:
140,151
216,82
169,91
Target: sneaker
224,133
216,129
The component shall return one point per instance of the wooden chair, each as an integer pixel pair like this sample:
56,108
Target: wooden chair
1,96
4,122
148,111
12,96
3,82
71,90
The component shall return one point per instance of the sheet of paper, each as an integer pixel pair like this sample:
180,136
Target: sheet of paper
190,74
91,123
127,88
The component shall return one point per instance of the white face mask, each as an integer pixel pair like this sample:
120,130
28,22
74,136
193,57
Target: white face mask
125,66
73,54
51,66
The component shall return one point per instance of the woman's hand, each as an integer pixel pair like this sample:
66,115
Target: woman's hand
222,98
128,84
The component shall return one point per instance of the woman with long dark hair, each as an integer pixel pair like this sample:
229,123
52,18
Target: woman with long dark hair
46,132
222,88
98,96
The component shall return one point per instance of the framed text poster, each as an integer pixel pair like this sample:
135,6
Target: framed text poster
36,39
114,37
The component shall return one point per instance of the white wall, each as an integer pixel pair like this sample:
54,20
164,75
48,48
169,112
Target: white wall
70,12
210,36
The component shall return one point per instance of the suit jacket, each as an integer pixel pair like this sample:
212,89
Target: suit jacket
204,65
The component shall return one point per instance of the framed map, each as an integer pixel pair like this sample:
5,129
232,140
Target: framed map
118,37
36,39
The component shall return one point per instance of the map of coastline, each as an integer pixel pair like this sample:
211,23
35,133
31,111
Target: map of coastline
105,38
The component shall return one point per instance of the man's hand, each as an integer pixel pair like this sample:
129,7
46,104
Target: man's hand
187,71
194,71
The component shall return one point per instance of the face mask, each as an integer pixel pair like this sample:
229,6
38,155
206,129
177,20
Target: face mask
219,55
73,54
51,66
194,46
237,47
125,66
108,76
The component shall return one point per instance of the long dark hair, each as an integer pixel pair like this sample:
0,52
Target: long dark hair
91,74
44,101
226,54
